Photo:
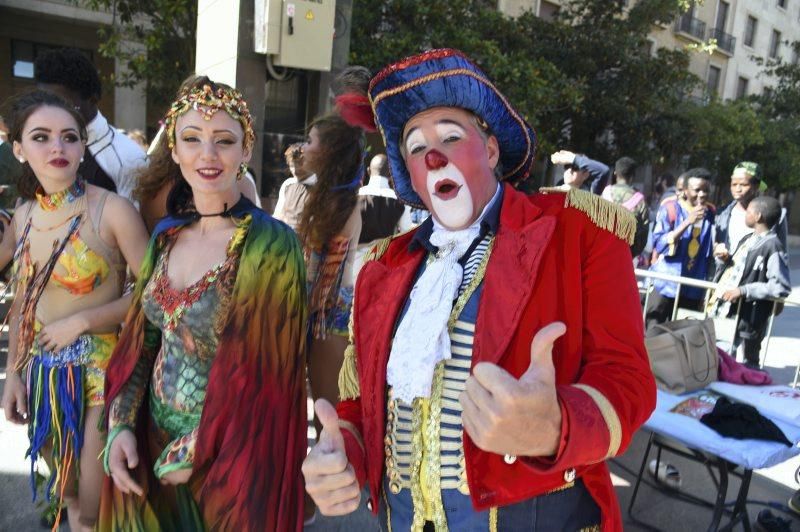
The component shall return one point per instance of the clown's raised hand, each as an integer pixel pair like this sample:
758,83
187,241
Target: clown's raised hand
506,415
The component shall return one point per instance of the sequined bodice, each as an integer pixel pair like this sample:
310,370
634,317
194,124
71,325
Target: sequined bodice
190,321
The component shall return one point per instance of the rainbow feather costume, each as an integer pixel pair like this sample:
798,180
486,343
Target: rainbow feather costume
251,439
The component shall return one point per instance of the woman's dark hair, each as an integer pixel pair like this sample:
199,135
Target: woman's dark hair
339,169
162,169
20,110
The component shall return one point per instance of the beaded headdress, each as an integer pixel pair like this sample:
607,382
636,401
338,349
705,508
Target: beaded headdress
207,102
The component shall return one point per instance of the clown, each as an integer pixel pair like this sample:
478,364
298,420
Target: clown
496,355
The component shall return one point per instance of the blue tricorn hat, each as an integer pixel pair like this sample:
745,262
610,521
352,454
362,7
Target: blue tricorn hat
446,78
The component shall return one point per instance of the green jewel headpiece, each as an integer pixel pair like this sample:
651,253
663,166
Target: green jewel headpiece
207,102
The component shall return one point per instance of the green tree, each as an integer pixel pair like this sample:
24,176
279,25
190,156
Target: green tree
626,92
387,30
720,133
779,114
586,80
155,39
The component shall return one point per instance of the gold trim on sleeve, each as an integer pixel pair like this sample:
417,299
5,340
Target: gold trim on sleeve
609,415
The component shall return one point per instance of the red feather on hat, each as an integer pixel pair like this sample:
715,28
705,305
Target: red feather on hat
356,110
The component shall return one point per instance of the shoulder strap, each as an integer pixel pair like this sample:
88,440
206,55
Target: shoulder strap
633,201
672,211
97,215
33,292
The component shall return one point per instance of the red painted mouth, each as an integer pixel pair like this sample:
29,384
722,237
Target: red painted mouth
59,163
209,173
446,189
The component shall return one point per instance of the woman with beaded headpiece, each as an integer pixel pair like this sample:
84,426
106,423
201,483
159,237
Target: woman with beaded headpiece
153,184
74,242
207,417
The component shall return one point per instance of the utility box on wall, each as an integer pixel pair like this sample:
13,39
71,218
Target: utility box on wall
296,33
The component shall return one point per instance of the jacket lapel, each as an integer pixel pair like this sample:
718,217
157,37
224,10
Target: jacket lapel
522,238
381,291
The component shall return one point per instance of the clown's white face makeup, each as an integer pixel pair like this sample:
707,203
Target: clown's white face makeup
451,165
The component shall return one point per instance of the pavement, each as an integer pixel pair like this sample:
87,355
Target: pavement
655,509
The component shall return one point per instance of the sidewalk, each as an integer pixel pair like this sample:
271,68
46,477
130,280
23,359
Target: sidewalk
652,506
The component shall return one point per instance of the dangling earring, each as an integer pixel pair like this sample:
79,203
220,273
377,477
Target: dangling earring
242,171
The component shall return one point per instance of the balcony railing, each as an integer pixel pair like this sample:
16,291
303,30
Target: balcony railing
725,41
694,27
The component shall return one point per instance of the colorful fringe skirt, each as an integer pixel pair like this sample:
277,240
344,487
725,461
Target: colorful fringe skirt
61,386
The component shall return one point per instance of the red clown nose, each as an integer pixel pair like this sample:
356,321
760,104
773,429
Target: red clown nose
435,160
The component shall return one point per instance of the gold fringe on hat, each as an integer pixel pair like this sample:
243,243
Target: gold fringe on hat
610,216
348,375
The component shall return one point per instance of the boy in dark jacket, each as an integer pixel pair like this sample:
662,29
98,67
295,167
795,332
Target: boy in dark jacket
758,271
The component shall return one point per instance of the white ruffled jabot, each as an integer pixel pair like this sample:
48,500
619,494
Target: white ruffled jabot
422,339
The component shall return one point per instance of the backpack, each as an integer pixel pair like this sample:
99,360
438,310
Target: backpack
642,219
672,216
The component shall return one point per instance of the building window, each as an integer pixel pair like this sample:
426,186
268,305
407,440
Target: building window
782,4
775,44
750,31
22,57
24,54
741,87
714,75
548,10
722,15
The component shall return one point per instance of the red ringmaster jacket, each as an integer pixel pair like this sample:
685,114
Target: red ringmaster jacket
549,263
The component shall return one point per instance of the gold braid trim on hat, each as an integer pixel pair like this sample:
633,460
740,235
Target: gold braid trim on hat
612,217
375,100
207,102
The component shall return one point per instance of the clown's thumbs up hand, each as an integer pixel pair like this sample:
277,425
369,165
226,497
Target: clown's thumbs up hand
330,479
506,415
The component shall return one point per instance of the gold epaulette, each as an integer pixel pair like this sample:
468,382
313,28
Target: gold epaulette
377,251
348,375
607,215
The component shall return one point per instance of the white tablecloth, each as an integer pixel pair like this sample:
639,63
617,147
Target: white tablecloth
751,454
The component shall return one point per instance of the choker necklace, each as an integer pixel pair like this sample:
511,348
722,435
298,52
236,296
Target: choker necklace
56,200
225,213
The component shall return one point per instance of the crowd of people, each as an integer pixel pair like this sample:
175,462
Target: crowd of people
473,373
680,233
